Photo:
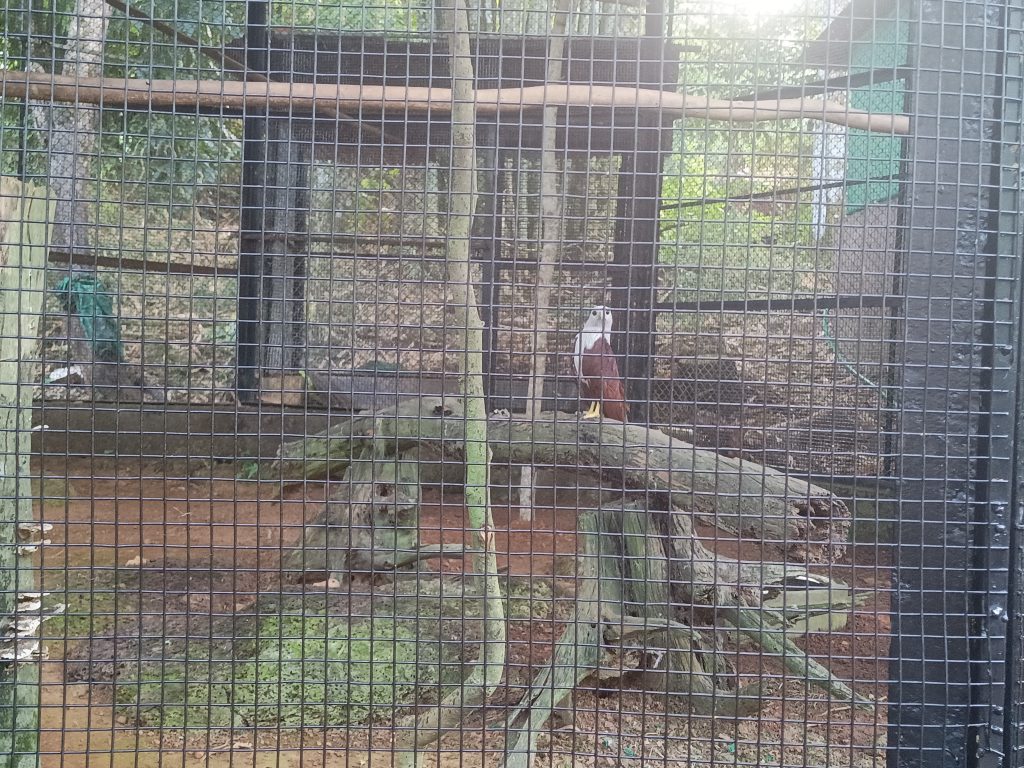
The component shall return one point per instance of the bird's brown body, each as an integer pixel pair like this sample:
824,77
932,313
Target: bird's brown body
600,381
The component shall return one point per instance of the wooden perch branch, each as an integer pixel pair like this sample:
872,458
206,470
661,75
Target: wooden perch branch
400,100
801,521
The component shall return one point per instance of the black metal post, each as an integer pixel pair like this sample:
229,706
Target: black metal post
485,240
1008,377
636,249
251,242
282,333
654,19
637,231
950,602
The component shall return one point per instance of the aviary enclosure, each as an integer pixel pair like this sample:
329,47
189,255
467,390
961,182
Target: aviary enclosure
298,464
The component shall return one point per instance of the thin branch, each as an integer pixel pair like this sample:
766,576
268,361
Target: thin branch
846,82
119,92
772,193
225,60
483,677
553,175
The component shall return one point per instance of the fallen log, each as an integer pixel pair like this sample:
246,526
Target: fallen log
791,517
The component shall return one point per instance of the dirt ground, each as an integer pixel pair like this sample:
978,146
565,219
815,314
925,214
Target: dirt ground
163,546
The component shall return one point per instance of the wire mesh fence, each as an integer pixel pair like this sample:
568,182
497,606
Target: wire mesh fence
588,383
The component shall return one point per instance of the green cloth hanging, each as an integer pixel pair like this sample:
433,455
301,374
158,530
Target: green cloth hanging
84,294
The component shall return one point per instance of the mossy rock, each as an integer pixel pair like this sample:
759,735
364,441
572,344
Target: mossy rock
528,597
308,669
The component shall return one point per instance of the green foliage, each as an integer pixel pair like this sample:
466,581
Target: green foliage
329,672
727,248
166,698
310,670
170,158
190,166
250,470
175,157
724,247
90,599
393,16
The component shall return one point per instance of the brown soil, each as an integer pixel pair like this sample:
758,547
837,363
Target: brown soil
211,544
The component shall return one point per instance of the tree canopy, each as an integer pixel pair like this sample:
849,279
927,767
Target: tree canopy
190,165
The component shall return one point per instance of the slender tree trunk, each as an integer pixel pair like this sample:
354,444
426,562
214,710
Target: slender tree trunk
485,675
73,131
23,236
552,172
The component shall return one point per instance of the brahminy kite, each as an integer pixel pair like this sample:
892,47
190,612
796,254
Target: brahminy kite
597,369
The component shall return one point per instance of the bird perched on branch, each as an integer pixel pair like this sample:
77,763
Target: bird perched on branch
597,368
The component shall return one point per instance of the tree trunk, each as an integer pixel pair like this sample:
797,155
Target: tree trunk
24,215
484,676
552,173
72,137
73,131
653,595
635,620
794,519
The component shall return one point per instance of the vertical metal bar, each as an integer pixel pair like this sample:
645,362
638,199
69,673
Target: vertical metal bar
998,435
485,240
636,249
251,240
1011,350
638,215
282,332
654,19
998,661
947,527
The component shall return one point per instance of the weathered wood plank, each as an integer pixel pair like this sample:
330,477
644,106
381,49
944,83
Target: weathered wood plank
24,233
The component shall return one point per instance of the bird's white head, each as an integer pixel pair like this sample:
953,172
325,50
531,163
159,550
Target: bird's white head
599,320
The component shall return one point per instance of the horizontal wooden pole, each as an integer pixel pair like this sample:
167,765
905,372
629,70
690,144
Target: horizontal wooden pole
190,94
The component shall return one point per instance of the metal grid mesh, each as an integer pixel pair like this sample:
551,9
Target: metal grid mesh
310,467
